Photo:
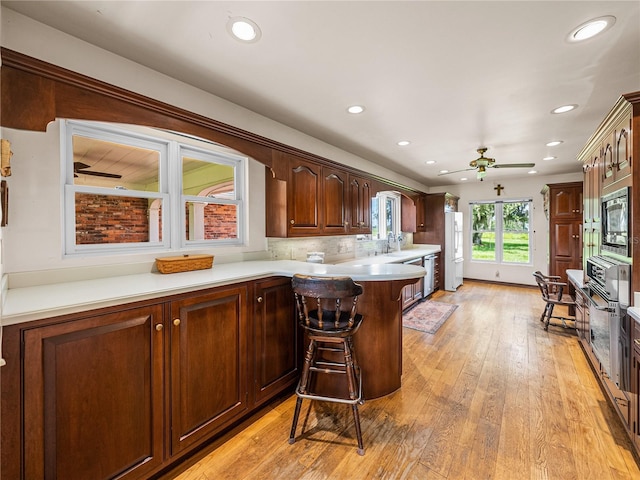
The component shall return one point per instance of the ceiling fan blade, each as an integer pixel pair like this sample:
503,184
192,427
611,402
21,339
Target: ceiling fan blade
513,165
99,174
80,166
456,171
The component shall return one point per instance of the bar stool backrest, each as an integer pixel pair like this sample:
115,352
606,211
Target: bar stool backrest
333,299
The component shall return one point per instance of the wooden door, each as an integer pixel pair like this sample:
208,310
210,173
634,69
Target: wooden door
304,197
93,396
208,360
334,201
276,338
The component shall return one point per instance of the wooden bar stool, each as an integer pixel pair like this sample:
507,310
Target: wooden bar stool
327,311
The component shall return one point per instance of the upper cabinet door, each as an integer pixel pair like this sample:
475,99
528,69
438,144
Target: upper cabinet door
360,195
334,194
623,148
304,197
566,201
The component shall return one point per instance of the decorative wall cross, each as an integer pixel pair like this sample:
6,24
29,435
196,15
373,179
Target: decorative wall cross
498,188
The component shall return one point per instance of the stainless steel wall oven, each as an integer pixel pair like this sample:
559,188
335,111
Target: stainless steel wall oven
609,291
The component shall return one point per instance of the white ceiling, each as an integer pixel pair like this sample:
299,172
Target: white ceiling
449,76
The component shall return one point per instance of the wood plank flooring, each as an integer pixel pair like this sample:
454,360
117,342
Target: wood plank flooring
490,396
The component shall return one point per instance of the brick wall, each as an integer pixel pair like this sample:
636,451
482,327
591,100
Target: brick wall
220,221
111,219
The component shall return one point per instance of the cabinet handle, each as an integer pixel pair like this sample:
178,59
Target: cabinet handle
176,321
259,299
158,326
636,341
292,222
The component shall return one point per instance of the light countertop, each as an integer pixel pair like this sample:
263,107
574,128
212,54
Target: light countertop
37,302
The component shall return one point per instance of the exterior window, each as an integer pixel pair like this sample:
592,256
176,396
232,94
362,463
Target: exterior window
385,214
500,231
129,191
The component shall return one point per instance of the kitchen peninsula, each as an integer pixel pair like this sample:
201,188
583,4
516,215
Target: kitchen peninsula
145,368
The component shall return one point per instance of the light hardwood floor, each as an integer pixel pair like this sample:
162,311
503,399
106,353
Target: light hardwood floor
490,396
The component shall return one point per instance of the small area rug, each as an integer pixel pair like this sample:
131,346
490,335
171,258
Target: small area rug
427,316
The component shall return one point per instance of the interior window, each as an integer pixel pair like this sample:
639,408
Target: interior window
127,190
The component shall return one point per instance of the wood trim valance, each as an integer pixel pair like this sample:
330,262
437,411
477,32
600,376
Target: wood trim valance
35,93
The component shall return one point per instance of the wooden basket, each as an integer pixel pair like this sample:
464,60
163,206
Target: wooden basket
184,263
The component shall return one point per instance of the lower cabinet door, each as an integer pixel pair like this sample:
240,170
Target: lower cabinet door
276,338
93,391
208,358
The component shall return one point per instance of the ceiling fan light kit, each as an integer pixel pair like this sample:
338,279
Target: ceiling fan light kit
481,164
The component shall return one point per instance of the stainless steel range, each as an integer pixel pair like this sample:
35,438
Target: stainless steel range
609,289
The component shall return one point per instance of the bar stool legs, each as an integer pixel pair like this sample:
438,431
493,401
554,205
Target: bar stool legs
354,382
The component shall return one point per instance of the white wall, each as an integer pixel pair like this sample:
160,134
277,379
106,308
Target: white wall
34,234
529,187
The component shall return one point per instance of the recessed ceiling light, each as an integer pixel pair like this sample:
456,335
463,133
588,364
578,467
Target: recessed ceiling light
531,172
404,143
355,109
564,108
244,29
591,28
430,162
463,179
444,171
546,159
554,143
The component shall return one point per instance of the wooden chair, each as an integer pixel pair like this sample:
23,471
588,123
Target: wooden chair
553,293
327,310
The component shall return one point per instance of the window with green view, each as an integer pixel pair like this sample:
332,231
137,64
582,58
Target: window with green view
500,231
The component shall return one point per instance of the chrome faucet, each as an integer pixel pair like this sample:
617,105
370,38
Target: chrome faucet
391,238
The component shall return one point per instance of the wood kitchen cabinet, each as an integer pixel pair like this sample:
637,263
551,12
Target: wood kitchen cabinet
616,152
208,360
634,401
361,192
314,200
126,391
304,198
276,348
93,397
565,205
421,213
591,211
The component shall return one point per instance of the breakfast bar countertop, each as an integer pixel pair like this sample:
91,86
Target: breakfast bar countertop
37,302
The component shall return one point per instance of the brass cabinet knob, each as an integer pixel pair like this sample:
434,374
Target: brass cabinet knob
176,321
158,326
292,222
259,299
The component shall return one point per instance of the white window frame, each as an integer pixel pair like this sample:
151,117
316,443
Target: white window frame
396,215
170,147
499,230
231,160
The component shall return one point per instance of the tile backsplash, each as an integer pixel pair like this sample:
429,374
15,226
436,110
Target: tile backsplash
336,248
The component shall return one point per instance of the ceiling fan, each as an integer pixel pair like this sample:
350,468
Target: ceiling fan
80,168
482,163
